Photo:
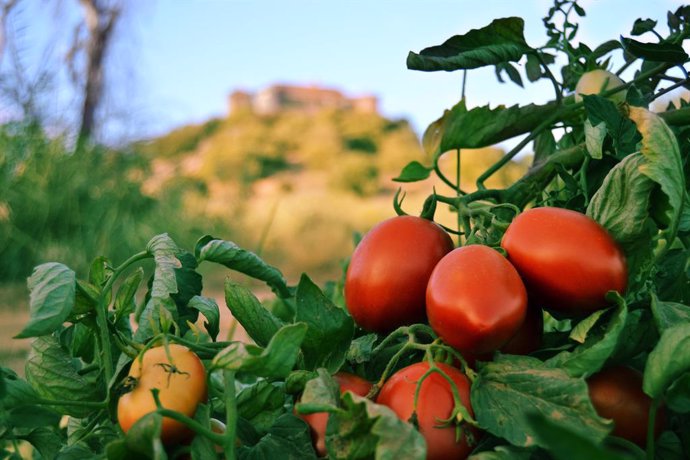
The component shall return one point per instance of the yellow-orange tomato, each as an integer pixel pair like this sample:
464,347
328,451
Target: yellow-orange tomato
180,378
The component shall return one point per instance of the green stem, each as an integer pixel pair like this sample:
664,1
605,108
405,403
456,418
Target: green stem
230,415
192,424
554,82
102,312
650,429
57,402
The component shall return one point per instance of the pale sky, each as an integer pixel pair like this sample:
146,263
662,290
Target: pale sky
179,59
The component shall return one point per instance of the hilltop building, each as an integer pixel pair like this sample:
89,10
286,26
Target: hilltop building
310,99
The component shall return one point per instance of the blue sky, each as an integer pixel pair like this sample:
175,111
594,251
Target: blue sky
177,60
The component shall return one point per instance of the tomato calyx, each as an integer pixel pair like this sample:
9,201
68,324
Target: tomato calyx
171,370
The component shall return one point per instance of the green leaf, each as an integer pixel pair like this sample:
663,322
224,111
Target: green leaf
47,441
18,402
622,131
621,204
189,284
54,375
201,446
288,439
533,68
260,324
512,72
669,314
321,394
276,360
642,26
361,349
503,453
567,444
209,308
590,357
77,452
164,251
483,126
501,41
125,301
672,277
664,166
413,172
668,361
233,257
659,52
363,429
678,394
100,271
261,404
594,139
581,329
509,388
52,288
144,437
330,328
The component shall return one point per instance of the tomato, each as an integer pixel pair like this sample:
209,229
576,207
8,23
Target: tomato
389,270
616,394
597,81
567,260
475,299
434,405
181,383
317,422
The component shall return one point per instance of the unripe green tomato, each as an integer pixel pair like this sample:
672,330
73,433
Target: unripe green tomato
597,81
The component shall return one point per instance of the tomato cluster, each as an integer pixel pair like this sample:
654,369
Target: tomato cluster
476,299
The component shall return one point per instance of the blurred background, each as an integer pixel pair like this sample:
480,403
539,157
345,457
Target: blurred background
275,124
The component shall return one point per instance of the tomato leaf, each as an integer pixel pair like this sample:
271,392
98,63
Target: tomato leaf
581,329
260,324
100,271
668,361
658,52
669,314
209,308
125,298
276,360
287,439
261,404
503,453
501,41
642,26
678,394
52,288
622,131
189,284
327,324
594,139
672,278
364,429
18,404
54,375
510,387
664,166
233,257
361,348
566,444
414,172
321,394
46,440
164,251
588,358
144,436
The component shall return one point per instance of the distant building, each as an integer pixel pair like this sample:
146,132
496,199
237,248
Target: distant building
309,99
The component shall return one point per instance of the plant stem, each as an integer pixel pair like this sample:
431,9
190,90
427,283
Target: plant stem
650,429
102,312
230,415
195,426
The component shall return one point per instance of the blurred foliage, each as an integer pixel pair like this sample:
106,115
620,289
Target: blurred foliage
58,204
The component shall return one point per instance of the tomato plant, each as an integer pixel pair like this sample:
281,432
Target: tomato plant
598,81
180,378
386,280
475,299
426,397
597,232
568,261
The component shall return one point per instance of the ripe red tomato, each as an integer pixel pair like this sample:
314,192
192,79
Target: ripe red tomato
318,421
180,377
475,299
435,404
389,270
567,260
616,394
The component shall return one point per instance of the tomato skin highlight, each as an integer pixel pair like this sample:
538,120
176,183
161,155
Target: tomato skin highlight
181,391
616,394
386,280
476,301
435,404
567,260
318,422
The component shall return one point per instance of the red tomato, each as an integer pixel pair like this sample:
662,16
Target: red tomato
389,270
567,260
318,421
435,403
616,394
180,377
475,299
